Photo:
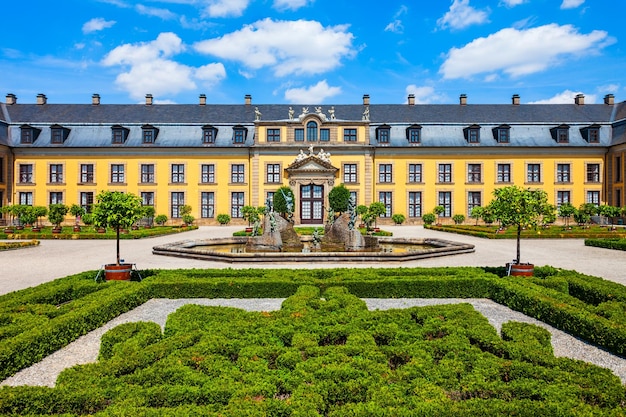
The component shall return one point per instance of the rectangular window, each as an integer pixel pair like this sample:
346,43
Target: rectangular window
414,135
384,173
207,205
474,136
236,204
445,173
563,197
349,135
27,135
474,199
533,173
298,135
237,173
324,135
177,200
385,198
474,173
208,135
26,173
563,173
273,135
383,135
26,198
57,136
1,173
178,173
207,173
415,204
118,136
117,173
147,198
56,197
86,201
445,201
618,169
349,173
239,136
562,135
147,173
273,173
503,136
593,172
415,173
594,135
504,173
148,135
86,173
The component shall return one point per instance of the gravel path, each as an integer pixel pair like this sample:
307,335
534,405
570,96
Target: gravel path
86,348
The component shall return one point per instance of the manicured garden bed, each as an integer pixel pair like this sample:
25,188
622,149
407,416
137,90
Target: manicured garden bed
316,357
617,244
18,245
550,232
91,233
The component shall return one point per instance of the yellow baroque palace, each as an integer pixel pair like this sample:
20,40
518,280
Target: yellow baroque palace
219,158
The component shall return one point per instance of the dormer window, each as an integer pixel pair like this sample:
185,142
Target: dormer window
240,134
591,133
502,133
119,134
58,134
209,134
414,134
29,134
383,133
149,134
560,134
472,134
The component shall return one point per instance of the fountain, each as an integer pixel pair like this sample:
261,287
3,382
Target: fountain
341,242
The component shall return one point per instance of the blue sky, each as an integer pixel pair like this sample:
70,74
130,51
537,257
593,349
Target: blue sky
313,51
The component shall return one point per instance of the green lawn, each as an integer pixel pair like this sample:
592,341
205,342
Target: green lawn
557,232
86,232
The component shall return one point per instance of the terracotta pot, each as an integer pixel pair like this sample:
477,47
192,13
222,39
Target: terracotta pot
101,230
77,228
35,229
8,230
521,270
122,272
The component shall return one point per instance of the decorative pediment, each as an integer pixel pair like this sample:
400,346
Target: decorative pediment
312,163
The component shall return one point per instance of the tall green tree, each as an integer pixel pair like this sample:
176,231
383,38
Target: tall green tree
117,210
338,198
518,207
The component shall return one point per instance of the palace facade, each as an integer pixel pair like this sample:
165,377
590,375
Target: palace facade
219,158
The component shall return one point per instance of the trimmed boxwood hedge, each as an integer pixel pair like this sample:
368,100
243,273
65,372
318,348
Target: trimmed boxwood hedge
618,244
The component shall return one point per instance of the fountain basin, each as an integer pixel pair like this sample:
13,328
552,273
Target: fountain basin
213,250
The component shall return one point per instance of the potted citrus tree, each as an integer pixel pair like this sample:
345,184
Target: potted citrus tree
78,212
56,215
119,211
521,208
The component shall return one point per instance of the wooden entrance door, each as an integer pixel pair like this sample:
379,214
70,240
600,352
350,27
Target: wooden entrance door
311,204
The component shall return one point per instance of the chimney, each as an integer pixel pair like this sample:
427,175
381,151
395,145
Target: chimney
11,99
148,99
579,100
609,99
366,99
203,99
411,99
41,99
248,99
95,99
463,99
515,99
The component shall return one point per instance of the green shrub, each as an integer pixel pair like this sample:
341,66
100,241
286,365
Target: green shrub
429,218
223,219
161,219
398,218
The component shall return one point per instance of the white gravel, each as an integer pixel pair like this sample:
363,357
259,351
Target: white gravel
85,349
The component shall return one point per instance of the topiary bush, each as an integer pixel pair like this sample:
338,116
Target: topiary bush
223,219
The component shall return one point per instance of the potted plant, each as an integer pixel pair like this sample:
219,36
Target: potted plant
458,218
361,210
78,212
476,213
28,217
56,215
161,219
377,209
185,214
566,211
38,212
19,212
398,218
438,211
428,218
223,219
87,219
519,207
119,211
338,198
9,211
148,216
250,215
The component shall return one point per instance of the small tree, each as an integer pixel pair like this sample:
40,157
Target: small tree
223,219
361,210
376,209
549,215
56,214
566,211
27,215
39,212
477,213
398,218
338,198
249,214
458,218
161,219
438,211
515,206
428,218
77,211
117,210
148,214
283,201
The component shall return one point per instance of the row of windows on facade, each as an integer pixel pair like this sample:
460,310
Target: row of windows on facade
350,175
501,134
415,207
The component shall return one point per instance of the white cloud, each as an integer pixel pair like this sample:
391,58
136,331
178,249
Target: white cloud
521,52
571,4
462,15
96,24
395,27
512,3
313,94
290,4
164,14
226,8
609,88
566,97
288,47
424,95
148,68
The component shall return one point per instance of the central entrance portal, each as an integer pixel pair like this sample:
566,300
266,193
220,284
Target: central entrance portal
311,204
